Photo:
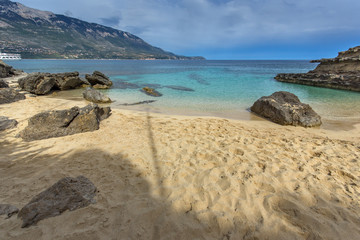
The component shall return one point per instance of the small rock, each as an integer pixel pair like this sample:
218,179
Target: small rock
151,92
67,194
6,123
95,96
3,84
99,86
9,95
8,209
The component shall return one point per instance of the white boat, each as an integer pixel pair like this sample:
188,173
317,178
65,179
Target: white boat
9,56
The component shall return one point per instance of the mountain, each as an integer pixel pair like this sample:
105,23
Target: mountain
41,34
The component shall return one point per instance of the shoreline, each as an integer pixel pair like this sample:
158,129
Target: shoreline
335,124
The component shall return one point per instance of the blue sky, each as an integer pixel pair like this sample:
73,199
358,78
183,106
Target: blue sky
227,29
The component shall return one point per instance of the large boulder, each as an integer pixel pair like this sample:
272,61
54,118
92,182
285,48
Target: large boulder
59,123
95,96
98,78
286,109
9,95
43,83
3,84
6,123
67,194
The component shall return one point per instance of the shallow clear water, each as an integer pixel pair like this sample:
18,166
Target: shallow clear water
220,88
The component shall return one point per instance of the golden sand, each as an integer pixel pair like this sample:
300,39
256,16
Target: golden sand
173,177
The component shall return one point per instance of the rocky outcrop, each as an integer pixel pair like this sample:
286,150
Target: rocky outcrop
59,123
67,194
6,70
43,83
6,123
342,72
9,95
3,84
95,96
151,92
286,109
8,210
99,80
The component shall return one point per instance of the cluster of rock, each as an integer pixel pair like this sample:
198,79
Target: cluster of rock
67,194
286,109
342,72
59,123
44,83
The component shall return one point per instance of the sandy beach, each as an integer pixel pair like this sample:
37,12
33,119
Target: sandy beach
179,177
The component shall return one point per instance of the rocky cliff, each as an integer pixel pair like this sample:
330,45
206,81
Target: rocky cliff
341,72
40,34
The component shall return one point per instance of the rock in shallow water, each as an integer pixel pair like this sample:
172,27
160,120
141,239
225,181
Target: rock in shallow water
286,109
67,194
64,122
95,96
98,78
151,92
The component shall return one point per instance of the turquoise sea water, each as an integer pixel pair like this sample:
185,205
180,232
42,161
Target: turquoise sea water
220,88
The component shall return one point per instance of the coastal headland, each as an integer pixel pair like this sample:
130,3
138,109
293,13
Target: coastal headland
179,177
341,72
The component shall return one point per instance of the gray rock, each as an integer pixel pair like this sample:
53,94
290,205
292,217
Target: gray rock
8,210
59,123
3,84
69,80
67,194
98,78
9,95
37,83
43,83
286,109
95,96
6,123
6,70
